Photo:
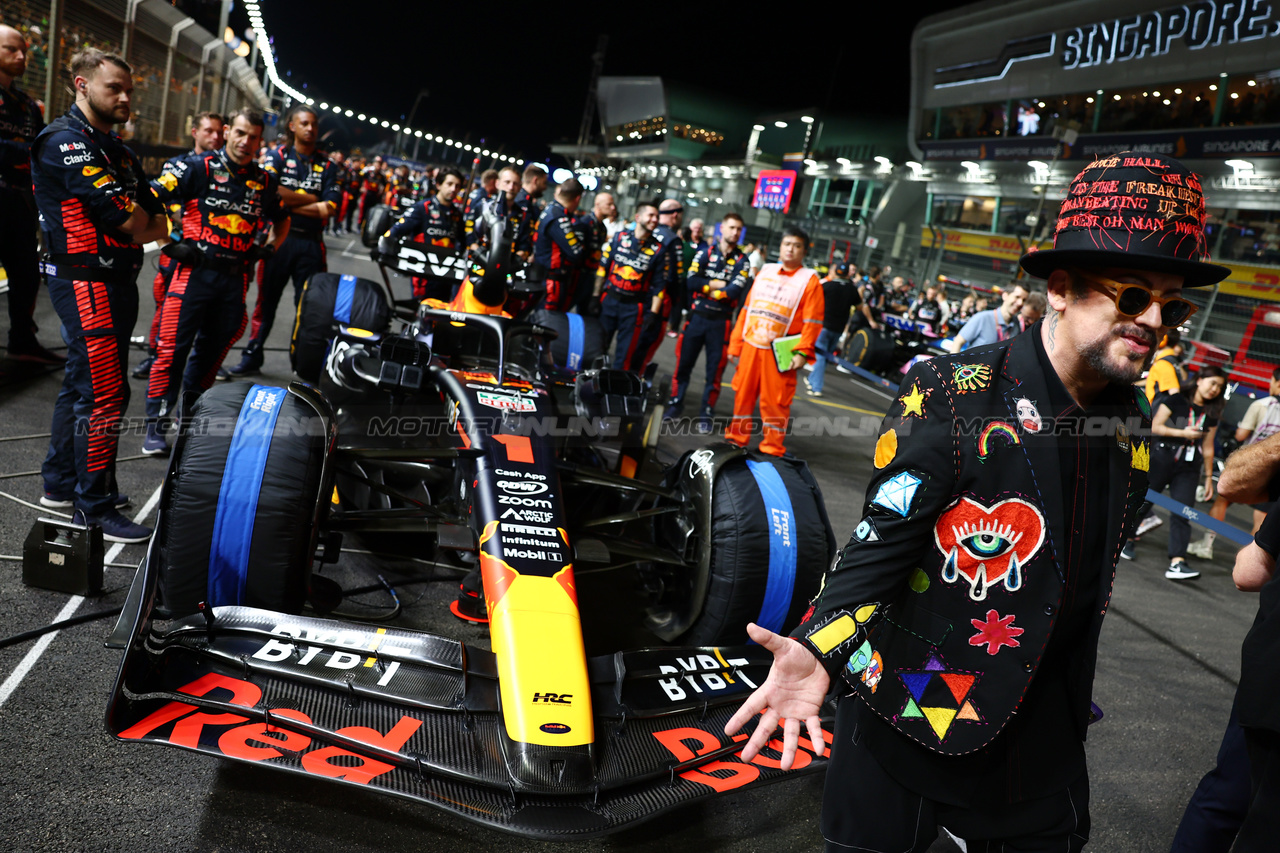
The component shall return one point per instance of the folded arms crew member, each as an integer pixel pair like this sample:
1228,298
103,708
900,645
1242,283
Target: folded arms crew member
309,192
717,278
785,299
631,267
224,196
206,135
96,211
20,122
560,247
965,611
436,222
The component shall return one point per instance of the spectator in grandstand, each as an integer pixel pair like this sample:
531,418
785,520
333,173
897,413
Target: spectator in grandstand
988,327
96,210
20,122
840,300
785,302
1183,426
1261,421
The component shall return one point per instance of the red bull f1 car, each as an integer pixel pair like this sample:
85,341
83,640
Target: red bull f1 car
471,436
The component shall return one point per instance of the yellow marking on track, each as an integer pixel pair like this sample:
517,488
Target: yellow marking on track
843,406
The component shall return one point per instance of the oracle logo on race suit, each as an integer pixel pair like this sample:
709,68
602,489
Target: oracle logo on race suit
236,736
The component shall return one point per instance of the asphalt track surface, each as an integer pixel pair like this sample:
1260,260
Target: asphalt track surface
1167,670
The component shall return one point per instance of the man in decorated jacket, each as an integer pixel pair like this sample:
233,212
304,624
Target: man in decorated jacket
960,624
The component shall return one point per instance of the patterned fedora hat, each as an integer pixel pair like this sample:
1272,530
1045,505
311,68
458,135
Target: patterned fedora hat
1138,211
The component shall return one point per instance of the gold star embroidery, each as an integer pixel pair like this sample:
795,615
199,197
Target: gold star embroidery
913,401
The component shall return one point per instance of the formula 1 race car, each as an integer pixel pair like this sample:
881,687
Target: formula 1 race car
894,349
616,583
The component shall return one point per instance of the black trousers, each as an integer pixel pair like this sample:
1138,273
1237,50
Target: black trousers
18,250
1221,801
295,261
1181,477
867,810
1261,826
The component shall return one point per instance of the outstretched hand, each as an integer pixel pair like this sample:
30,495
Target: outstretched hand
794,691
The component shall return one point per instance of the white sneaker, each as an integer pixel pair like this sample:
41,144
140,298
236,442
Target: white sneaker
1202,549
842,369
1151,522
1179,571
808,366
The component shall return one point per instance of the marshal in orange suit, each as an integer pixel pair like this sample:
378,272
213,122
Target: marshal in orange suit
785,299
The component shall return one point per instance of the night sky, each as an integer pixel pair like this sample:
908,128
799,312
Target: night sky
519,78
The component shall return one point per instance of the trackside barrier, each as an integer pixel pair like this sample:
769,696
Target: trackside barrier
866,374
1235,534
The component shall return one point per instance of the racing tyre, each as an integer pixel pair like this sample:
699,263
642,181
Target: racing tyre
376,224
240,511
770,543
870,350
579,339
329,299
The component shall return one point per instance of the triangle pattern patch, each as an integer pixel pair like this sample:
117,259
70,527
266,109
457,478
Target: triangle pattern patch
912,710
940,719
916,682
968,712
959,683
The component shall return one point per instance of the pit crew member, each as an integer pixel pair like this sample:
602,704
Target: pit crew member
206,135
631,267
670,215
436,222
224,196
96,211
307,187
560,247
21,120
717,278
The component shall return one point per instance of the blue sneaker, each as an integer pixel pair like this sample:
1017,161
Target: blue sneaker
117,528
153,444
48,500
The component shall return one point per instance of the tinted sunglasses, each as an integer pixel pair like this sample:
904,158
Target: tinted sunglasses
1133,299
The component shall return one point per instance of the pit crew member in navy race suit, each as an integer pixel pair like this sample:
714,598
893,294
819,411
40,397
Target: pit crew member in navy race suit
533,183
631,274
224,196
670,214
717,277
560,247
963,616
597,233
501,207
311,195
21,120
506,186
96,210
206,135
434,221
487,187
373,182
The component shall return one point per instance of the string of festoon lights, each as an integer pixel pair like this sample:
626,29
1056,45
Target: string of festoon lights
264,47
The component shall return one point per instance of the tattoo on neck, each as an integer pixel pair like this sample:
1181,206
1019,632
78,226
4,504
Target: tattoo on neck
1053,330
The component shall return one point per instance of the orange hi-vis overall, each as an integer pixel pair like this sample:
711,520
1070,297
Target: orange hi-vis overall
780,303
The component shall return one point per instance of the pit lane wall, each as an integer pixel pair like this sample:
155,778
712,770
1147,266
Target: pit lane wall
984,259
179,67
